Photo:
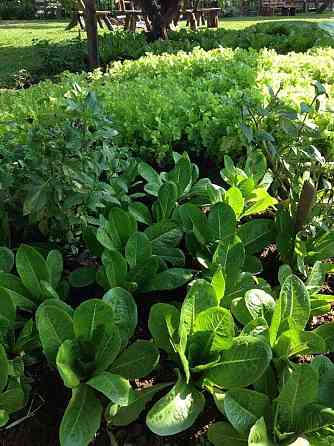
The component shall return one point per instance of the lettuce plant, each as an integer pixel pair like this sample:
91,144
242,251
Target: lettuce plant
201,339
89,347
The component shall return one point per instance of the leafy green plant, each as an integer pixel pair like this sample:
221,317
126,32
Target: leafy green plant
201,339
89,348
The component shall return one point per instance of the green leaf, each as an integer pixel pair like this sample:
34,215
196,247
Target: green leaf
235,200
3,368
244,407
54,326
230,255
137,361
7,310
292,306
326,331
314,417
218,283
256,165
174,256
317,277
242,364
222,221
176,411
213,332
325,369
125,314
261,202
129,414
4,417
82,277
55,264
223,434
82,418
256,327
257,234
6,259
138,249
116,388
115,267
200,297
151,176
170,279
67,363
13,399
142,274
164,234
115,232
32,268
20,296
192,219
260,304
163,323
140,212
181,175
300,388
296,342
283,273
253,265
258,435
167,196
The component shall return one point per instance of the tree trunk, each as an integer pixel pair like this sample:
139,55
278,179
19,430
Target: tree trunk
91,28
160,14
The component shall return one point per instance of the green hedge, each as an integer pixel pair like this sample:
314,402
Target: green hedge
283,37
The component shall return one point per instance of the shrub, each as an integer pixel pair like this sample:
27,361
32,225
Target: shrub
17,9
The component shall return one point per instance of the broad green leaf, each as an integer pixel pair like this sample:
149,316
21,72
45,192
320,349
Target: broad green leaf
192,219
267,383
3,368
164,234
297,342
116,388
121,223
223,434
32,268
170,279
151,176
115,267
242,364
176,411
292,306
213,332
238,289
256,327
174,256
322,248
181,175
55,264
240,311
19,294
230,255
6,259
138,249
200,297
317,277
326,331
7,310
253,265
325,368
13,399
137,361
163,323
89,316
260,304
244,407
257,234
314,417
218,283
81,419
283,273
258,435
222,221
140,212
235,200
125,314
300,388
82,277
54,326
166,204
256,165
129,414
67,363
260,201
142,274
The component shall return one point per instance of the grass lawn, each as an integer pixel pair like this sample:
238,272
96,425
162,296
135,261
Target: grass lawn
16,51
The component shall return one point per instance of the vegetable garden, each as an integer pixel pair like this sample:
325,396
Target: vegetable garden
167,245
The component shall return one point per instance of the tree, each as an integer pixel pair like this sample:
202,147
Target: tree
161,14
91,28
